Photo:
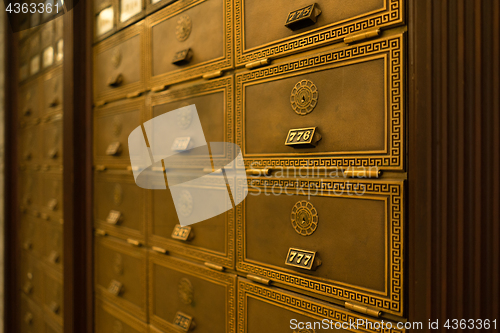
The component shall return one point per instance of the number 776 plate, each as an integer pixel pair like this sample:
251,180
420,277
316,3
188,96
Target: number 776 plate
302,137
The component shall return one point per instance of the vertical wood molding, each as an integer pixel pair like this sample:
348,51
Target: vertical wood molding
77,76
454,158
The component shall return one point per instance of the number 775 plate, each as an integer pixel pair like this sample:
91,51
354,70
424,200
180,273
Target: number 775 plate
300,258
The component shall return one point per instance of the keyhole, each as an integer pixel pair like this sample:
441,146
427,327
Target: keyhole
303,99
303,220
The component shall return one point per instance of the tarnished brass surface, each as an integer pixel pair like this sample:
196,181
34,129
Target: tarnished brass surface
119,261
110,319
120,55
338,19
204,27
358,112
116,192
31,279
265,309
212,293
31,316
359,237
53,295
52,88
112,125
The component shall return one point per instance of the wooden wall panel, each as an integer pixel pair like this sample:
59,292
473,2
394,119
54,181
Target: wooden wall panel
454,148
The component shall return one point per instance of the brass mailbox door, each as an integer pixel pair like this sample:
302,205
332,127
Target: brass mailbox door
120,206
264,309
31,278
30,152
296,26
53,295
112,125
213,239
120,275
188,39
109,318
335,237
52,198
53,251
31,316
52,91
183,294
352,96
52,149
119,64
29,105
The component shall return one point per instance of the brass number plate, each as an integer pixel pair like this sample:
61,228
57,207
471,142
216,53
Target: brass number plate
114,149
302,137
300,258
183,321
182,57
302,17
114,217
115,287
182,233
181,144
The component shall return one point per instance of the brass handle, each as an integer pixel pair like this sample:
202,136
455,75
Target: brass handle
54,103
182,57
115,81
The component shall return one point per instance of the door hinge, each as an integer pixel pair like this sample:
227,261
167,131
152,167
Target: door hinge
259,279
212,75
159,249
134,94
214,266
258,63
362,36
363,309
159,88
133,242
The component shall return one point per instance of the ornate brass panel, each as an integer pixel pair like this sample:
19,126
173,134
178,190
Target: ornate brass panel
112,125
214,103
31,277
120,206
31,316
359,110
118,261
205,27
337,20
53,295
52,140
264,309
119,66
212,240
359,237
52,96
213,295
110,319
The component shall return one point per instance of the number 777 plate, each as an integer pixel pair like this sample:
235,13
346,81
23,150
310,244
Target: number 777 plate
300,258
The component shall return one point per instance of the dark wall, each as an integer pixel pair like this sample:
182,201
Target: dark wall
454,145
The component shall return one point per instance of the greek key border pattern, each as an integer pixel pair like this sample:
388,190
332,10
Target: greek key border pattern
295,302
200,272
394,303
330,34
392,160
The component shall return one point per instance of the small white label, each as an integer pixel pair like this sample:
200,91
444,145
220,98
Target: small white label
48,57
105,21
35,64
129,8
